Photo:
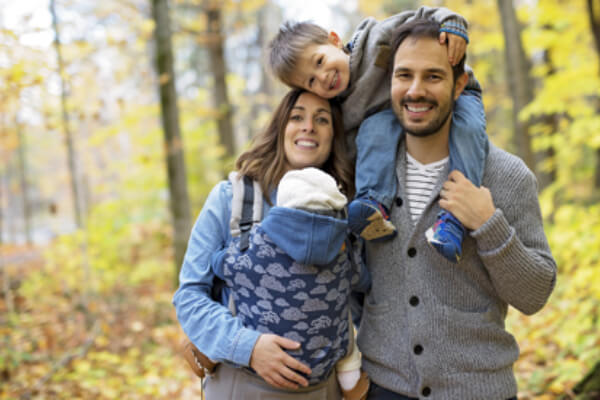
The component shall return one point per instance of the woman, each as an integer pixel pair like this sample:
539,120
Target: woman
305,131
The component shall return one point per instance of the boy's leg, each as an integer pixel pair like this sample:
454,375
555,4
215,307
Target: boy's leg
376,185
468,146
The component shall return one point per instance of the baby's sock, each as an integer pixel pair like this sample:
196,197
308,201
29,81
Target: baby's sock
348,379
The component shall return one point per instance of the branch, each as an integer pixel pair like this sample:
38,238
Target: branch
63,362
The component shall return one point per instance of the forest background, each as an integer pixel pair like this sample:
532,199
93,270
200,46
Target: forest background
118,116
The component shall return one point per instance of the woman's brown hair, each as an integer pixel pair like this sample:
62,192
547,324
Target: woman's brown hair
265,160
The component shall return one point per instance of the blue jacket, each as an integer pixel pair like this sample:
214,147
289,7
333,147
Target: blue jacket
209,323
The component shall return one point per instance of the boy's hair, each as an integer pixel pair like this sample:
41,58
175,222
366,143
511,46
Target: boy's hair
418,29
289,44
265,161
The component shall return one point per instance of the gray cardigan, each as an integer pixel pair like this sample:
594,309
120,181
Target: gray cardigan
430,326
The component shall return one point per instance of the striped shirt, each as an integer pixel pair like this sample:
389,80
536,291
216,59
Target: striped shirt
420,182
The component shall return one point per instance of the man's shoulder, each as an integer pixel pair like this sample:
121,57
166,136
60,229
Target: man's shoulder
505,168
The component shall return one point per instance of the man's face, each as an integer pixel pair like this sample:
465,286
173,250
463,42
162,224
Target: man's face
323,69
423,90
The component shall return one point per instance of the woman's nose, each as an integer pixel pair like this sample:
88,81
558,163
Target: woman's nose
308,125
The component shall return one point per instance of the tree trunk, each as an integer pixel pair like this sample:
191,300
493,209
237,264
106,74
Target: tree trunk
23,181
594,14
217,66
546,178
65,120
179,199
520,85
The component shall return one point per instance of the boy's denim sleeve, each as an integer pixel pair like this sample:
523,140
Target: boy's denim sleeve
207,323
306,237
469,143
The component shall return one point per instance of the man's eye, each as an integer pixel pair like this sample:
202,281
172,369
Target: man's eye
435,77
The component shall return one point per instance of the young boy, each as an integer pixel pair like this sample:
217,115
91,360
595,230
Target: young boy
304,55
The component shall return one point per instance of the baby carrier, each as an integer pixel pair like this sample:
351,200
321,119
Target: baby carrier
272,293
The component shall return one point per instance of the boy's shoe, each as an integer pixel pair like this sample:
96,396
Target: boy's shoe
360,390
446,236
370,220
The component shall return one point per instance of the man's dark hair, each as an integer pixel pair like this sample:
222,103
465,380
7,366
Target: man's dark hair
421,28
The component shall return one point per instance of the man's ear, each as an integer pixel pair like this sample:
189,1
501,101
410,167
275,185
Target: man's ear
335,40
461,83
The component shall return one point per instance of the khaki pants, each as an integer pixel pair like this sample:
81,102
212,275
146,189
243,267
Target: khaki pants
230,383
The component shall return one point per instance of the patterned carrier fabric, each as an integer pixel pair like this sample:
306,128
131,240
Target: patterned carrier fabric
305,303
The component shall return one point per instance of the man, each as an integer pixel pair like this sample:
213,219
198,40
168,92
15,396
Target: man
431,328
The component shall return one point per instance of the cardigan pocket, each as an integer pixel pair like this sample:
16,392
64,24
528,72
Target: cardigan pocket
474,341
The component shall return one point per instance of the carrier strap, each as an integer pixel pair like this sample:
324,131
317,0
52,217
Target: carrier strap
247,208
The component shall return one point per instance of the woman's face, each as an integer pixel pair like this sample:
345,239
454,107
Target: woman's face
309,132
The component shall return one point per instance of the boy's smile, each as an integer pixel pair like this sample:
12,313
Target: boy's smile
324,69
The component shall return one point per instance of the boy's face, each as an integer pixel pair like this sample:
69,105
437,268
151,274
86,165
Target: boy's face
324,69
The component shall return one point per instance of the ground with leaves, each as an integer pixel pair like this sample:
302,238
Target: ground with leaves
60,343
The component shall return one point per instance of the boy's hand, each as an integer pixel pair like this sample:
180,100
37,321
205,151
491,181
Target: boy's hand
456,46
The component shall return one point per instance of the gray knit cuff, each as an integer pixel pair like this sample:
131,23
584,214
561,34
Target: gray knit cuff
494,234
456,26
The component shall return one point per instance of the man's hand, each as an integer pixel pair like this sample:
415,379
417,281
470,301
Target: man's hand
274,365
456,46
472,206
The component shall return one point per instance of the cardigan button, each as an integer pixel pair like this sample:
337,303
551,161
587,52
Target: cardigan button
418,349
399,201
414,301
412,252
426,391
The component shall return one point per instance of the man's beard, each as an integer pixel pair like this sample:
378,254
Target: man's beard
434,126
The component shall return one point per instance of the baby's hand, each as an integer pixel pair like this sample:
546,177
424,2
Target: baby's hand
456,46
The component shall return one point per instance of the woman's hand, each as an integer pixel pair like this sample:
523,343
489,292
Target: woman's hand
457,46
274,365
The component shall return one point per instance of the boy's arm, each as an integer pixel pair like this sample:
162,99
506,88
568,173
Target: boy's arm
453,23
450,21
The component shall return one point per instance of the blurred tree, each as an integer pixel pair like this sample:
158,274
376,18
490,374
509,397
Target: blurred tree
65,119
178,200
593,7
215,43
519,81
23,181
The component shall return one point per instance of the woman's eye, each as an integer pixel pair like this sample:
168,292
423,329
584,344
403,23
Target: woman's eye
310,82
323,120
296,118
320,61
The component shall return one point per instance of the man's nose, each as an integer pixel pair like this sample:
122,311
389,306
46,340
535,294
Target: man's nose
416,88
